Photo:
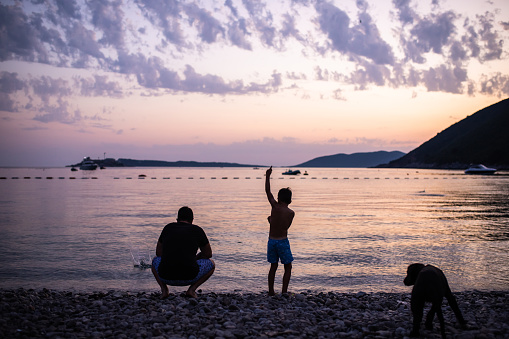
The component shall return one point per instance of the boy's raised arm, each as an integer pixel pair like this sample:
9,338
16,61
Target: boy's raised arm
267,186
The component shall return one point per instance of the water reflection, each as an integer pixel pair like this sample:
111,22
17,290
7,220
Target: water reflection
348,234
484,216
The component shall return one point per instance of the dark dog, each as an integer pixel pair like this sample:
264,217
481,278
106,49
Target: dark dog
430,285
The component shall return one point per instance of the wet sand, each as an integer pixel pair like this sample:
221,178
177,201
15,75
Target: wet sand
117,314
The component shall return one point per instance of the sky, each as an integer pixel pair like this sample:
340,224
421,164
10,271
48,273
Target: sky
250,81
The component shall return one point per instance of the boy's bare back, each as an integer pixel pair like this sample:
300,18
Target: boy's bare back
281,216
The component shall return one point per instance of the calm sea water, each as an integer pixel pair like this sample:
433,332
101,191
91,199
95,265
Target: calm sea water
354,230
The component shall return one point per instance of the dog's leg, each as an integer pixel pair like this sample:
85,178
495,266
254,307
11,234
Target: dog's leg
440,316
430,316
417,307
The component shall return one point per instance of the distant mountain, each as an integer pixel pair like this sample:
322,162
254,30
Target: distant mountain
482,137
160,163
368,159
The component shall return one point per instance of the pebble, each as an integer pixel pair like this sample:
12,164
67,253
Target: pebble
61,314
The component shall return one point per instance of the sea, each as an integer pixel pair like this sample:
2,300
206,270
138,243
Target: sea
355,229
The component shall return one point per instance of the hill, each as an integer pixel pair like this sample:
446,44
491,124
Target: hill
482,137
160,163
368,159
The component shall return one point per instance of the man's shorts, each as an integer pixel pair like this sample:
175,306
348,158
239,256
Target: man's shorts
205,266
279,249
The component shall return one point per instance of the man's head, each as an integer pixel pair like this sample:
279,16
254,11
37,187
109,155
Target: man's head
185,214
285,195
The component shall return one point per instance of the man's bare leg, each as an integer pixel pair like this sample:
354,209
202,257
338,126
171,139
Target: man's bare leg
271,277
286,277
164,289
191,291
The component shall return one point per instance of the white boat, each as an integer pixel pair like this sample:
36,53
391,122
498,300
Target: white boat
88,165
290,172
479,169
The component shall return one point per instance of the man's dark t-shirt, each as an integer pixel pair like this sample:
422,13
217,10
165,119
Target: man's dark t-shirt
181,242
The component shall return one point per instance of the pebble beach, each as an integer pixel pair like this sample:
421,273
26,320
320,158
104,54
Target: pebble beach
116,314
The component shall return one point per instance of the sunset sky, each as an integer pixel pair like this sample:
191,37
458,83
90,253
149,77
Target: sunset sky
249,81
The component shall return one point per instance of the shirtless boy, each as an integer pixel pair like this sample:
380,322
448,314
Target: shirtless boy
278,246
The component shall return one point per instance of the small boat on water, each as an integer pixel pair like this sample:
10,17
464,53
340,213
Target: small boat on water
305,173
291,172
88,165
73,169
479,169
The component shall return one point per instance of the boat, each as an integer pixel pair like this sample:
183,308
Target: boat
290,172
88,165
305,173
73,169
479,169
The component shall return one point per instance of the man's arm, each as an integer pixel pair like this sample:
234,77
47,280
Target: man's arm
159,249
267,187
205,252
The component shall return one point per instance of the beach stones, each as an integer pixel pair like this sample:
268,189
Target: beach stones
46,313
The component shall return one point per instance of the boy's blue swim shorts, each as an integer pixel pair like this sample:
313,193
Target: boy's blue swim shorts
279,249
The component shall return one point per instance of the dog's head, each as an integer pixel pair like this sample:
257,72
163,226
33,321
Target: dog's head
411,274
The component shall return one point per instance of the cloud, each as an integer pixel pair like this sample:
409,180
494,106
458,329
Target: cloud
431,34
166,15
68,9
362,39
338,95
405,14
46,87
50,96
9,83
108,17
263,22
444,78
59,112
492,43
209,27
369,73
334,23
458,52
17,37
150,39
497,85
296,76
99,86
366,41
84,41
237,34
289,29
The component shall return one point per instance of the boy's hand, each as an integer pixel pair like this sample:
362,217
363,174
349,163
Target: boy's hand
269,171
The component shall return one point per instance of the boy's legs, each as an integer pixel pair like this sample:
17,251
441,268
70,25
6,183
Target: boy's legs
272,276
286,277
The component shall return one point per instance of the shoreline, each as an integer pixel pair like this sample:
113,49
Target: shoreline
123,314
